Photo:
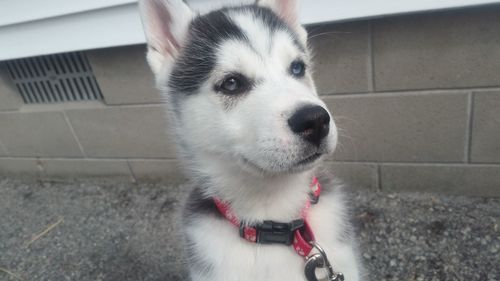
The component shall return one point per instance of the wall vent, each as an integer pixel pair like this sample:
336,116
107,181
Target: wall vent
54,78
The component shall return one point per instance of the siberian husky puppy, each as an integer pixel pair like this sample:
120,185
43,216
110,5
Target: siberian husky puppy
251,131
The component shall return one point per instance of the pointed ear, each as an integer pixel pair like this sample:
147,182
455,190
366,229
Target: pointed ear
166,24
287,10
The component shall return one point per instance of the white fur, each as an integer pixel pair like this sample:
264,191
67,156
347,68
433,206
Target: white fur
250,153
238,260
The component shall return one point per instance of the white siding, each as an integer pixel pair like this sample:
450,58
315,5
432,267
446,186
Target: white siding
34,27
18,11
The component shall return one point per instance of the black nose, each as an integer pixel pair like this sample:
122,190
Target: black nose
311,122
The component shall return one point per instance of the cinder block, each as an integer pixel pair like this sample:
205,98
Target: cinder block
3,150
472,180
157,170
355,175
123,132
20,167
451,49
341,57
400,127
486,128
42,134
86,168
124,76
9,97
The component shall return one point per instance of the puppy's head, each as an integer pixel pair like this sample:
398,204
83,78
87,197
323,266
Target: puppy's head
239,84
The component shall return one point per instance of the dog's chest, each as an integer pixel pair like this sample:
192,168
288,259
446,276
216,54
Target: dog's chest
222,255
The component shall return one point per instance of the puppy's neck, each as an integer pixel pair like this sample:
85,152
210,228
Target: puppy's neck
253,197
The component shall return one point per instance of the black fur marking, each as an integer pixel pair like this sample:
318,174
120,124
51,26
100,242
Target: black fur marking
197,205
275,23
197,59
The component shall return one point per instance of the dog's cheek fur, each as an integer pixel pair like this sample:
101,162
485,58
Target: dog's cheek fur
216,134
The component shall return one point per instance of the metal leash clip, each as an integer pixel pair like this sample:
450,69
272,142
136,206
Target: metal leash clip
320,260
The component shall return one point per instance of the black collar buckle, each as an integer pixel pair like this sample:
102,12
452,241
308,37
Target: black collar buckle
270,232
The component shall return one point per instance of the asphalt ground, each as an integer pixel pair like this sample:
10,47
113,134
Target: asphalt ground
90,230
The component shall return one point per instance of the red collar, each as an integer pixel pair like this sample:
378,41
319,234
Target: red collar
297,233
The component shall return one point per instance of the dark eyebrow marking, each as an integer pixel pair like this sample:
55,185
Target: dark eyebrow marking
198,58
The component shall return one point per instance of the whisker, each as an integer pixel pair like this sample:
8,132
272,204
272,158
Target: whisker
328,33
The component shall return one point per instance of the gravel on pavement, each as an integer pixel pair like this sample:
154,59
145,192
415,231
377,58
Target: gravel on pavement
90,230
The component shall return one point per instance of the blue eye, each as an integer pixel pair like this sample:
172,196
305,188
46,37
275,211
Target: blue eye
298,68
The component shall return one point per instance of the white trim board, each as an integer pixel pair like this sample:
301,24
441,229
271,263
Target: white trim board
54,26
19,11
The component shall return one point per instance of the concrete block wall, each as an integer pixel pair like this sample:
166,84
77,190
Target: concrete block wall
416,98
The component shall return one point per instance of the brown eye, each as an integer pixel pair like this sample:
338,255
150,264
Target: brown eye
233,84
